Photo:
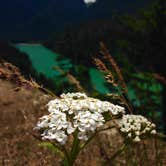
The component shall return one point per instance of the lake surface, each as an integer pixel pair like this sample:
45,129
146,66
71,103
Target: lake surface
43,60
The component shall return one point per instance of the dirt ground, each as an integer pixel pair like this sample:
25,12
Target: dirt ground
20,109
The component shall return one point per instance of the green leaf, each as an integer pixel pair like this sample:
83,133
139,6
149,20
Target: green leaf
52,147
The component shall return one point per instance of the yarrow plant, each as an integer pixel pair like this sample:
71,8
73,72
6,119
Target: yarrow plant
79,117
135,127
76,115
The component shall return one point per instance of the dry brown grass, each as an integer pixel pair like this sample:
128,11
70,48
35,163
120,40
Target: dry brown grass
113,76
73,80
108,57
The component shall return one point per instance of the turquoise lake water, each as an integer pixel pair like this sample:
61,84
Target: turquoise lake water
44,60
97,80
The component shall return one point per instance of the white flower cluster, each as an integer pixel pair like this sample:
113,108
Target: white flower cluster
75,102
136,126
76,95
75,111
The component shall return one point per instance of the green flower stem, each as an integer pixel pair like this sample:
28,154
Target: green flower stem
66,161
63,150
74,150
89,140
84,145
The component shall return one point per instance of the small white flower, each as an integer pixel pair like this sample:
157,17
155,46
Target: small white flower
123,130
61,137
136,139
82,136
153,132
129,135
76,95
70,128
87,121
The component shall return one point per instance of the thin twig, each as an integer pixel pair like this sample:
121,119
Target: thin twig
89,140
47,91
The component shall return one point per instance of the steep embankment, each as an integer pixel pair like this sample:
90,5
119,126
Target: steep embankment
21,104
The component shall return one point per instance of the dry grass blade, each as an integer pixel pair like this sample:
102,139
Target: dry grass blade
110,77
107,56
102,67
12,73
71,79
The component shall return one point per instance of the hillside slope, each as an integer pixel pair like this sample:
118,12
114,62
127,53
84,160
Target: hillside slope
20,107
